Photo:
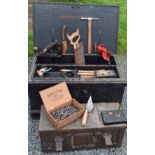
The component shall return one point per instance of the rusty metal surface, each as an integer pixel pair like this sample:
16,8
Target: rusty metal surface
94,119
75,136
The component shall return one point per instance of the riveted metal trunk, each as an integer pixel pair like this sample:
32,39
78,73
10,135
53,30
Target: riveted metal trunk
76,137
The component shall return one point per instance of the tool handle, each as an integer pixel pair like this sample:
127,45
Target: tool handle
89,36
63,32
87,74
40,73
48,69
84,119
64,47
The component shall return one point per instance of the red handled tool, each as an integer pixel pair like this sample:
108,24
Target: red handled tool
106,55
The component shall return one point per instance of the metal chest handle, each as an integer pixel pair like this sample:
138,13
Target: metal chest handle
108,140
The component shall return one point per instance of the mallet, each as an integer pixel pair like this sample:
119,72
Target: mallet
41,71
89,31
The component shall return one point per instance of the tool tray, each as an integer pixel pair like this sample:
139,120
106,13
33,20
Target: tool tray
48,19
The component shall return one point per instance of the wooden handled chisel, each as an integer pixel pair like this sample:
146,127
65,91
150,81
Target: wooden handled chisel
64,42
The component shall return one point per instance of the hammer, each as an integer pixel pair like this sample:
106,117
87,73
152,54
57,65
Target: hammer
89,31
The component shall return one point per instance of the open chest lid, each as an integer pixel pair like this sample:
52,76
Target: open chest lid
48,19
55,96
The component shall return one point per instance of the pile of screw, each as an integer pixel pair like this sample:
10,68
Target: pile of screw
64,112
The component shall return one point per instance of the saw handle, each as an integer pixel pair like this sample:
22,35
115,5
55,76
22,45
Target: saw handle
84,119
71,38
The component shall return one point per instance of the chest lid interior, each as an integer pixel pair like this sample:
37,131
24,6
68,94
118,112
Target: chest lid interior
55,96
48,19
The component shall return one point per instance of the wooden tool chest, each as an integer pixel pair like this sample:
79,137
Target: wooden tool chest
75,136
48,19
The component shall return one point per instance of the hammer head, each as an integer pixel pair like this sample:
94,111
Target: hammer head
89,18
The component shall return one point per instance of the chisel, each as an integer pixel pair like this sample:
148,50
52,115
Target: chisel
64,42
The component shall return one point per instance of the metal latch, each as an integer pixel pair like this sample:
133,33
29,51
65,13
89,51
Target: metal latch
107,138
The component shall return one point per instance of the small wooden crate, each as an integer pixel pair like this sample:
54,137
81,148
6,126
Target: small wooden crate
57,97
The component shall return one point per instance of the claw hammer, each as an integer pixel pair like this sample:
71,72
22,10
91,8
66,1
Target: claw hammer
89,31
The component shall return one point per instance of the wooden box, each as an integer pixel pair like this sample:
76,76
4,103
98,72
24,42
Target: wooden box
76,137
57,97
52,16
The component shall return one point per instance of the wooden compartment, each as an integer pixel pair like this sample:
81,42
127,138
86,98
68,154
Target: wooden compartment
57,67
93,59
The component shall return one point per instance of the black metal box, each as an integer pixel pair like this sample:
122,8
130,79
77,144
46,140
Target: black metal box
48,19
76,136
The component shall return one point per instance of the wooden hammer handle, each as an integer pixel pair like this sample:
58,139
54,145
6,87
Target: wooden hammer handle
89,36
84,119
